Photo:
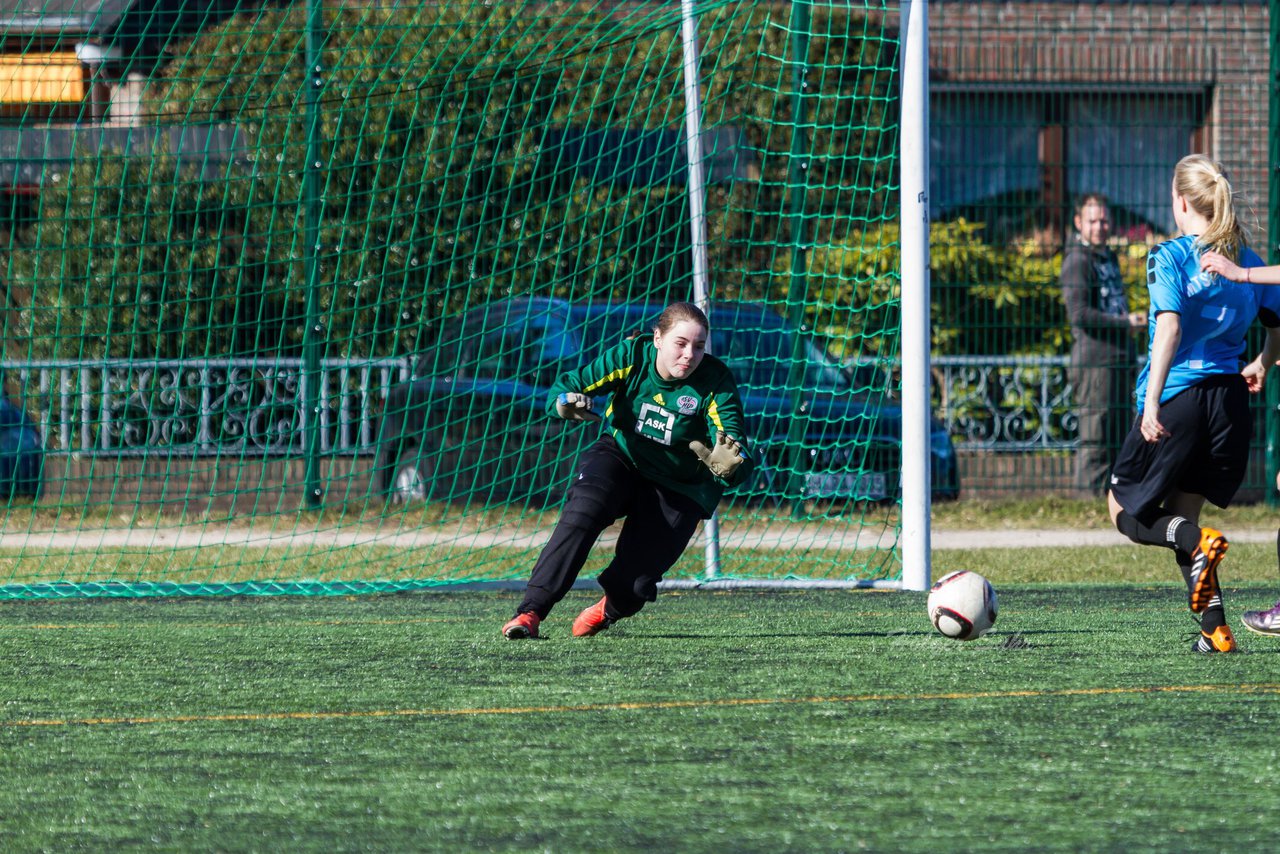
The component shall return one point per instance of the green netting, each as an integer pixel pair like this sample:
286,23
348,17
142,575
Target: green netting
243,232
1029,112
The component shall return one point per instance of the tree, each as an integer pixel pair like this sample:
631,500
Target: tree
439,188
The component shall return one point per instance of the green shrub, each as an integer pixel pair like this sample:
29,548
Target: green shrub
435,193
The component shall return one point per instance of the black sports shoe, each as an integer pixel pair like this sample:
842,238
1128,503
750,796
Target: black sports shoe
1203,582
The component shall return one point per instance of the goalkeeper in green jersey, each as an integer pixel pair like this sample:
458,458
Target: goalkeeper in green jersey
673,443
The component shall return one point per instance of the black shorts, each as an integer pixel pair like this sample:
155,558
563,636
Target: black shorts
1205,453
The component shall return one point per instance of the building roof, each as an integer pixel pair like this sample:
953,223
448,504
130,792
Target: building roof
62,17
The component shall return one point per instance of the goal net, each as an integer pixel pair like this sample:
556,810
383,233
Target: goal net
287,284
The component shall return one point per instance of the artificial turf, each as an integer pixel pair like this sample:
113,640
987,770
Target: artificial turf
712,721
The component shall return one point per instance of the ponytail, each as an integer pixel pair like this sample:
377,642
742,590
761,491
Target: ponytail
1206,188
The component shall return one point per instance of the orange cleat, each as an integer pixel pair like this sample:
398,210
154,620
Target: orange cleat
1219,640
522,626
591,621
1204,570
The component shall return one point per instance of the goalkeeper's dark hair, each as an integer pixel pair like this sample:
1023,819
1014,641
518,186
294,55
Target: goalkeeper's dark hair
679,311
673,314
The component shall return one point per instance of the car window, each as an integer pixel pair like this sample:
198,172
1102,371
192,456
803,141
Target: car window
536,347
823,372
532,349
759,359
608,327
761,355
621,324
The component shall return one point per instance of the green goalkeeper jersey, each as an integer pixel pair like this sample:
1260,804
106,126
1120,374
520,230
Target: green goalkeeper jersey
654,420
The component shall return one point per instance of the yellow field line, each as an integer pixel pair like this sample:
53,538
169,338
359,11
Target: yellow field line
1254,688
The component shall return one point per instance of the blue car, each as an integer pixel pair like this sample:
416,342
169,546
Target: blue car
473,427
21,453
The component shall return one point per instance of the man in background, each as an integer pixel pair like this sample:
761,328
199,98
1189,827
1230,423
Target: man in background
1103,350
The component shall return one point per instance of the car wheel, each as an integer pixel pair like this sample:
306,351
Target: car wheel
412,477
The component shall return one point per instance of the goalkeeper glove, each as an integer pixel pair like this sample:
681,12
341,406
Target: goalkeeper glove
724,458
572,406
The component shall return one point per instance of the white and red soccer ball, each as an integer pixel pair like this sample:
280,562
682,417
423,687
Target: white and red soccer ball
962,605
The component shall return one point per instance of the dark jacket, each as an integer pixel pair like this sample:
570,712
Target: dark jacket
1097,306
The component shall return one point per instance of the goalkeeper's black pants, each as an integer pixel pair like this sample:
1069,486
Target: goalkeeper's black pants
659,524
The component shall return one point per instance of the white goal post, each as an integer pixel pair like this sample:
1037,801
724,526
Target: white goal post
913,166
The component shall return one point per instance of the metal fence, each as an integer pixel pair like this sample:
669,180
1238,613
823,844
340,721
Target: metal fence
205,407
1012,418
217,406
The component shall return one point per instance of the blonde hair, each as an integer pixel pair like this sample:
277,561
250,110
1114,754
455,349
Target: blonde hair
1204,184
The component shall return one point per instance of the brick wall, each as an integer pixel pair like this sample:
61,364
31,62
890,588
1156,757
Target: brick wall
163,483
990,475
1221,46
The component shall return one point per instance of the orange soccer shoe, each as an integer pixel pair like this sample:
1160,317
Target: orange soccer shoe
521,626
592,620
1219,640
1204,570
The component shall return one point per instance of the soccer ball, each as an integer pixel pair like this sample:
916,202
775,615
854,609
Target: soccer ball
962,605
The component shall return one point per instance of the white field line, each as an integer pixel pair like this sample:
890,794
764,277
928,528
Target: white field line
781,538
197,537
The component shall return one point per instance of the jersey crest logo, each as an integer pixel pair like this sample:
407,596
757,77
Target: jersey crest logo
688,404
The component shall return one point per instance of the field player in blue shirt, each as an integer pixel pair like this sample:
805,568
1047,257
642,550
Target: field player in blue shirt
1190,442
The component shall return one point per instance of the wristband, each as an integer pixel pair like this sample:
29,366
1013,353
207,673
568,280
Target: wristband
742,452
1248,275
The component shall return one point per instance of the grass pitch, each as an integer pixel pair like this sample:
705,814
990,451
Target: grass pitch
727,721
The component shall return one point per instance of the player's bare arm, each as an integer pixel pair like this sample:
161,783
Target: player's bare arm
1163,347
1213,262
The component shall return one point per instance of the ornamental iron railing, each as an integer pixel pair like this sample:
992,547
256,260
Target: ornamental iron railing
1006,403
217,406
205,407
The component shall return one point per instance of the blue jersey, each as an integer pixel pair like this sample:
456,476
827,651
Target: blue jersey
1215,314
